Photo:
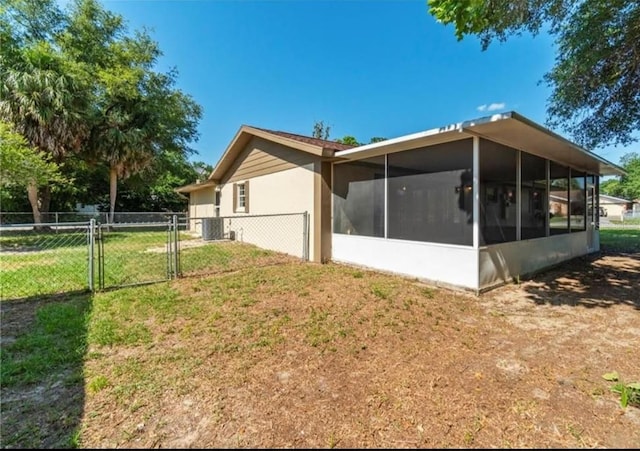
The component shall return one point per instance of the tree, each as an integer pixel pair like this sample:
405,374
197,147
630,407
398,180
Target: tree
626,186
596,77
83,89
320,130
138,114
377,139
155,188
24,166
43,100
349,140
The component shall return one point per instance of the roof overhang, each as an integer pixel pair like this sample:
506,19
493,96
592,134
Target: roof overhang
195,187
510,129
242,138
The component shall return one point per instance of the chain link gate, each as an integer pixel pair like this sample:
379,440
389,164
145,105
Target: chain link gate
153,256
55,258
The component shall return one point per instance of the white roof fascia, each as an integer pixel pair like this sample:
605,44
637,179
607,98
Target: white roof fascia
469,128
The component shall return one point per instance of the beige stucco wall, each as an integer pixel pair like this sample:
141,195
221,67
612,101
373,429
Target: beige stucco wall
282,180
614,211
287,191
200,206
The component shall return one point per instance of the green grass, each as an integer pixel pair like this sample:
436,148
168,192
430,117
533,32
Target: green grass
54,342
54,338
620,240
132,344
36,264
631,221
43,263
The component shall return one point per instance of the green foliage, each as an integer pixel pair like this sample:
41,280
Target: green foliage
626,186
596,94
352,141
629,392
320,130
349,140
79,86
22,165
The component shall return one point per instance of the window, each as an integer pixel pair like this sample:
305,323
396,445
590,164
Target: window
216,202
241,197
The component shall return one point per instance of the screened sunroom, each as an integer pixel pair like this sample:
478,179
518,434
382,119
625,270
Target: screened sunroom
471,205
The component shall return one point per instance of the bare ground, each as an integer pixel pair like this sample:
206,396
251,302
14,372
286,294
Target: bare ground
394,364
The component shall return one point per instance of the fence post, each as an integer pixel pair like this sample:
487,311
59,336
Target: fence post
305,236
92,225
176,247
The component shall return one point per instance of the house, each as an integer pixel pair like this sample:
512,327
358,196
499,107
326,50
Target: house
615,207
264,173
470,205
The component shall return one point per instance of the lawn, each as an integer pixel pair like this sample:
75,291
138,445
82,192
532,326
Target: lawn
260,350
38,264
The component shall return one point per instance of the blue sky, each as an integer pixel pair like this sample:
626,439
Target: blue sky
364,67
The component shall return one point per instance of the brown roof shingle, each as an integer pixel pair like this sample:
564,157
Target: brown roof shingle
325,144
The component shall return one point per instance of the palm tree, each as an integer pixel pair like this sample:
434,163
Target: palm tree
44,102
119,139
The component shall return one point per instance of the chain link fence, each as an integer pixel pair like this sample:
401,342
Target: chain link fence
60,257
134,254
229,243
44,261
60,218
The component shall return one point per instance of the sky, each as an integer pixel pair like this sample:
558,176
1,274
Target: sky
365,68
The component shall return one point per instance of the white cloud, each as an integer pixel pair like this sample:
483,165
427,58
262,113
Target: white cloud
496,106
492,106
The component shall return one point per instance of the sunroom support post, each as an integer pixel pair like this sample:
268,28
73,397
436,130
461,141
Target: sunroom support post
476,192
518,195
548,198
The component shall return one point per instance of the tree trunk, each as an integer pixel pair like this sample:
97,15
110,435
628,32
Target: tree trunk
32,194
113,191
34,200
44,194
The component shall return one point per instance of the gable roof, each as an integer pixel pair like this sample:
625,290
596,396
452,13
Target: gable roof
314,146
324,143
198,185
613,199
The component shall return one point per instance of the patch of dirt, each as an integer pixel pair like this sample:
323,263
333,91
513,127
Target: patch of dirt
184,244
364,360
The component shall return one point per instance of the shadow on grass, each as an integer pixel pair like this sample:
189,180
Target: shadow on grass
43,344
610,277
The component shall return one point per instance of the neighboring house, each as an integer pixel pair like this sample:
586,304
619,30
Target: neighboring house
201,201
615,207
469,205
